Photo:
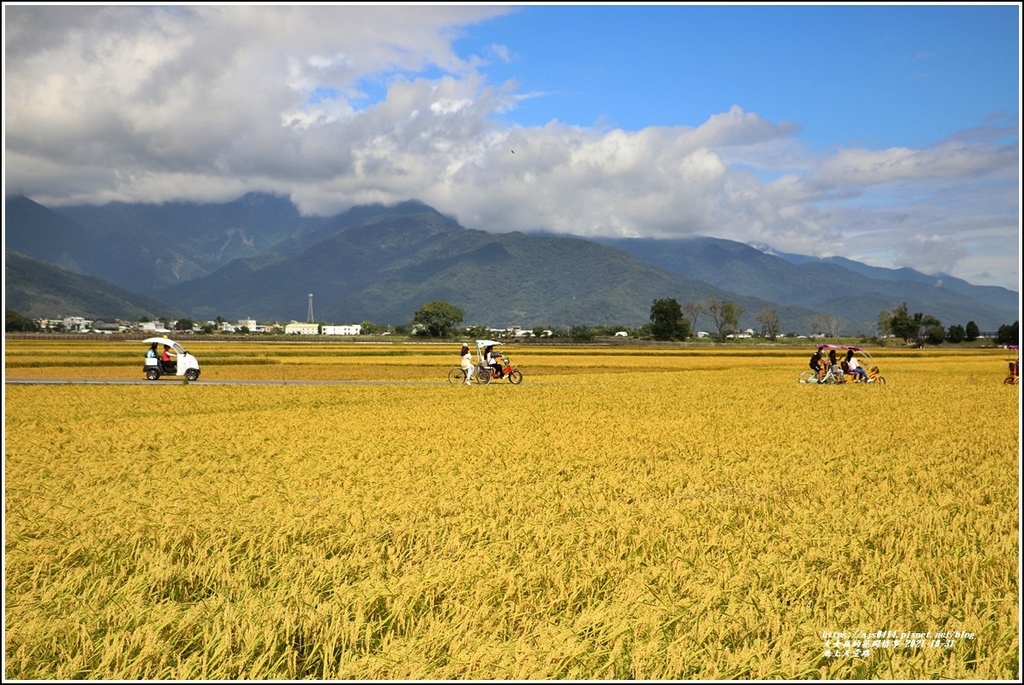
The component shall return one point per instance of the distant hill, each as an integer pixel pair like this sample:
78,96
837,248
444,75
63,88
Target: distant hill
144,246
258,258
37,289
383,266
853,291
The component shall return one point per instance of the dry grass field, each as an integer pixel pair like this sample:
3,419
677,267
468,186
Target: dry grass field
625,513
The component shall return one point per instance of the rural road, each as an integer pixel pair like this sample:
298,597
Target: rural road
180,381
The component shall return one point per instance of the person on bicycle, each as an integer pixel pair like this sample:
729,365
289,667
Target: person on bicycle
815,362
492,361
467,363
854,367
833,363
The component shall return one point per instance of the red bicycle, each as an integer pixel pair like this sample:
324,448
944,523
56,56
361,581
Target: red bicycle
504,364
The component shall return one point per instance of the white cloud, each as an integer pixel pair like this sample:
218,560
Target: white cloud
341,105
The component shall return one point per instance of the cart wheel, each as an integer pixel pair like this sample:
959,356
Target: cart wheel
483,376
152,374
515,377
808,377
456,376
192,374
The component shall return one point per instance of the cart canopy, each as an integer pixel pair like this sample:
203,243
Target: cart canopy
855,348
166,341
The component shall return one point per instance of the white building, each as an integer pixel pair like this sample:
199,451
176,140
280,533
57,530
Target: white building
349,329
152,327
76,323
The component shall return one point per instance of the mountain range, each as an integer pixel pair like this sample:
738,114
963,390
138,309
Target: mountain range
257,257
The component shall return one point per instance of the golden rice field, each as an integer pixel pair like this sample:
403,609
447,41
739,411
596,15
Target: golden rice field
624,513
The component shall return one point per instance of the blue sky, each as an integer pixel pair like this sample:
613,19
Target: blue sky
883,75
888,134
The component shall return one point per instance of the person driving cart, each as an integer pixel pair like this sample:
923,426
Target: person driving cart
167,360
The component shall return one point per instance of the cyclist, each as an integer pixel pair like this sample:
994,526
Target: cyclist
815,362
467,363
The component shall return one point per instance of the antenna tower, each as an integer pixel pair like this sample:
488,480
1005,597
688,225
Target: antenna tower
309,312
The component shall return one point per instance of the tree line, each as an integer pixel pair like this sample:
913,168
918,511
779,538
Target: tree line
672,321
669,320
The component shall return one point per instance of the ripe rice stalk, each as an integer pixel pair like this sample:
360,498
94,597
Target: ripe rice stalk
624,516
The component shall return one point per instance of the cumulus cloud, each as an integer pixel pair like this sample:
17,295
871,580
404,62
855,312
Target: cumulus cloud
337,106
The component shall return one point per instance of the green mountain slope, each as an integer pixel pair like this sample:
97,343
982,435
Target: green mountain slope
384,267
856,294
258,258
37,289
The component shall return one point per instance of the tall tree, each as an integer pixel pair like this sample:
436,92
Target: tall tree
667,322
913,328
819,324
768,317
692,310
731,313
882,327
438,318
833,325
1008,335
726,316
935,334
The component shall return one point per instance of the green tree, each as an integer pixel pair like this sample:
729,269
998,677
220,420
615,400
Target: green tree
971,332
581,334
1008,335
667,322
726,316
911,328
14,322
185,324
955,334
935,334
731,313
438,318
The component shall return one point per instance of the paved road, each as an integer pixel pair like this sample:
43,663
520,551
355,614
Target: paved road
171,381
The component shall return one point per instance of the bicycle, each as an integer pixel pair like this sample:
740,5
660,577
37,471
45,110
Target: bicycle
482,375
829,377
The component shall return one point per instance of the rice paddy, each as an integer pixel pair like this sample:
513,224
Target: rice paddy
665,512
